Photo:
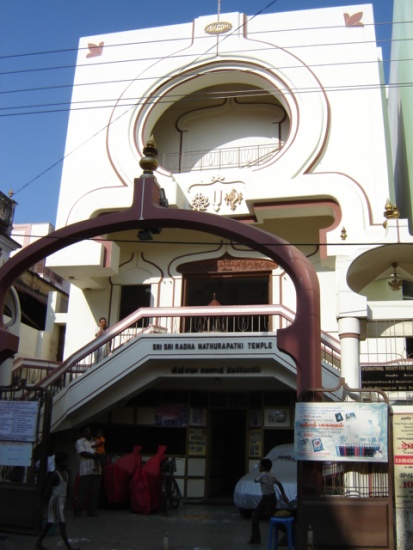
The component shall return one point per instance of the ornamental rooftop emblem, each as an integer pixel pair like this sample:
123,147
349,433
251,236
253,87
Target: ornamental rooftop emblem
219,27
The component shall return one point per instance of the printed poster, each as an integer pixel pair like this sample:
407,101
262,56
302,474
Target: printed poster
337,431
15,454
255,443
18,420
171,415
403,459
197,441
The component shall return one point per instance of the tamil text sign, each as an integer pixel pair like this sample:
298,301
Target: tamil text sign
341,431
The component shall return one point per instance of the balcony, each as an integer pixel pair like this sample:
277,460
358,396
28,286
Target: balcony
234,157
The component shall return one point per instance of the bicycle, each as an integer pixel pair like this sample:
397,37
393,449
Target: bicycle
171,493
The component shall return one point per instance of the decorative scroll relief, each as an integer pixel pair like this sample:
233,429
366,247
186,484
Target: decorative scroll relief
216,197
200,202
233,198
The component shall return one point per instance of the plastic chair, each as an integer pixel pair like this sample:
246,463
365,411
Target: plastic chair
288,523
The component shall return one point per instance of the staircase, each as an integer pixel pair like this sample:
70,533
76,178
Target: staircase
167,343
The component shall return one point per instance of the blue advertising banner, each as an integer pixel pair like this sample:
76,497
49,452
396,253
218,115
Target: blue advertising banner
341,431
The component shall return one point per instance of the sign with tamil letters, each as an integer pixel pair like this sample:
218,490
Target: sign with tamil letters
341,431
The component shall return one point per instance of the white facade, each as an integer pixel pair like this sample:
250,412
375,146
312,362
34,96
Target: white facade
297,123
280,129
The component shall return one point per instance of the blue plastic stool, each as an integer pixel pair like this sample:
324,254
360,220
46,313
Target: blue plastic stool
288,523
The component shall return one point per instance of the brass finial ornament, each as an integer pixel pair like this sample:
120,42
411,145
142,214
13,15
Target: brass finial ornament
343,233
395,282
391,211
149,162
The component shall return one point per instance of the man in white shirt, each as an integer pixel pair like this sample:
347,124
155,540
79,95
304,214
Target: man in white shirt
104,350
90,473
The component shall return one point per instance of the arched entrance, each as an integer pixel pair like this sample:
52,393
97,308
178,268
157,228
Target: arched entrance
301,340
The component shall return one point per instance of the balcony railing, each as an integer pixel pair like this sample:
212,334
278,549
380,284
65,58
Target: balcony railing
166,321
233,157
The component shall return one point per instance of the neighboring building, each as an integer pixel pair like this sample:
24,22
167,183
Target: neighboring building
274,127
11,306
43,297
7,244
400,122
401,107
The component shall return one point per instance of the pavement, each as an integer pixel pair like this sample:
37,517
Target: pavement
193,526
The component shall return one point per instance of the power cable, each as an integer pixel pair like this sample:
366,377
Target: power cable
166,40
131,106
207,243
130,80
114,120
180,55
132,102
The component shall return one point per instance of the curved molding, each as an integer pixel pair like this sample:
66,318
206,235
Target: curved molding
308,112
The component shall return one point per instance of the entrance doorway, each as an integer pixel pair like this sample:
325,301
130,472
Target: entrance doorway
229,290
226,452
134,297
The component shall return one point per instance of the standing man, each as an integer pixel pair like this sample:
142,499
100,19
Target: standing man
90,473
104,350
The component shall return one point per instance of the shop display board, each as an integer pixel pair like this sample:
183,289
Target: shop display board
341,431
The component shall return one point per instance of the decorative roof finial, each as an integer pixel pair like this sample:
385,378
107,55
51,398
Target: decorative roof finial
149,163
391,211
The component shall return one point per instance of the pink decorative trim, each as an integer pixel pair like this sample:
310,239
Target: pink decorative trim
353,20
246,66
349,335
95,50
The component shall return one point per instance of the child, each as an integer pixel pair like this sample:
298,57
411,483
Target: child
268,503
58,485
99,446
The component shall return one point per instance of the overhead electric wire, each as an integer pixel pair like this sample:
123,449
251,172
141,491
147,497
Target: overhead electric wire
207,243
136,102
178,39
179,55
130,80
66,155
132,102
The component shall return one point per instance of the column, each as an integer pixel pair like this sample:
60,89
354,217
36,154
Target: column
349,334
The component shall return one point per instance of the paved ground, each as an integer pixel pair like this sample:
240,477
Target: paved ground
190,527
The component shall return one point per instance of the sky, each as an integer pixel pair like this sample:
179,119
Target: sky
38,48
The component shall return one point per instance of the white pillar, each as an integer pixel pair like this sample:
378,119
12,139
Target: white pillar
349,334
6,372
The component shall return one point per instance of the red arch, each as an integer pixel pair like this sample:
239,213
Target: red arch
301,340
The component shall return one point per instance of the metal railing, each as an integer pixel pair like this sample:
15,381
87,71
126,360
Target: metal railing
233,157
362,480
166,321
